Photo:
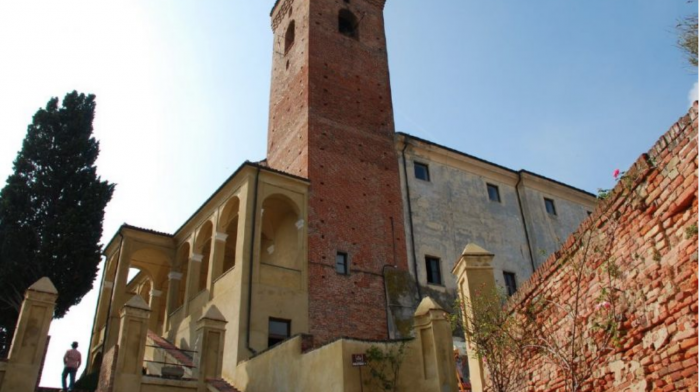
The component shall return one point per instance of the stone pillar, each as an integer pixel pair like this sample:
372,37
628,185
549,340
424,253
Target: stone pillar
434,334
211,328
171,304
194,270
133,329
29,343
155,309
474,273
216,260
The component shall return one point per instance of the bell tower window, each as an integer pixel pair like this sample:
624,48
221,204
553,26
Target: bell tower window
347,24
289,37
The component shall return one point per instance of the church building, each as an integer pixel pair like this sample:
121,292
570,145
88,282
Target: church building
345,226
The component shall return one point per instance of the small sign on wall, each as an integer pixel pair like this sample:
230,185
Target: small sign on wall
359,359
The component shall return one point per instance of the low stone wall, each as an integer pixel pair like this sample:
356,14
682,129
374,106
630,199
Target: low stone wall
428,363
642,245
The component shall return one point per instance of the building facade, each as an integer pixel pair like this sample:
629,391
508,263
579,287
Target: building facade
345,226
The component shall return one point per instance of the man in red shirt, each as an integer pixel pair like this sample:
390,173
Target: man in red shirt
72,361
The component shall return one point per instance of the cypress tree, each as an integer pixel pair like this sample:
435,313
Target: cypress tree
51,210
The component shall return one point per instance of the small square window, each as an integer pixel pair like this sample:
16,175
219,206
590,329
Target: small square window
421,171
511,286
278,331
341,263
549,206
494,193
432,267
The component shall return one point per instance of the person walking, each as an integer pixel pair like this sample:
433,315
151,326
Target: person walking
71,361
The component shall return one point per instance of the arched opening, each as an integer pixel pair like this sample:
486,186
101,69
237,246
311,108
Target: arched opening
183,261
281,233
229,225
289,37
348,24
144,290
204,248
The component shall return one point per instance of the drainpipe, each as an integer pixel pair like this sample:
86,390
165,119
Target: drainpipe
522,215
410,218
386,298
252,251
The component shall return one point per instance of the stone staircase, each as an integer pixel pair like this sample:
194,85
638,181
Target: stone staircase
220,385
171,349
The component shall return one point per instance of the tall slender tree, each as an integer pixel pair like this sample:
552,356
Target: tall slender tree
51,210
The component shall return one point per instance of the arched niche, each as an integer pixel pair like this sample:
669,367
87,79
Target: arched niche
348,24
281,233
289,37
229,225
203,247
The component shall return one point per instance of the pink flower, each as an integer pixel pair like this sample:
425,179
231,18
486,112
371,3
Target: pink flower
603,305
616,173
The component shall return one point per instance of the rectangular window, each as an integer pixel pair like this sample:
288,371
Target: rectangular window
278,331
494,194
549,206
341,263
511,286
421,171
432,267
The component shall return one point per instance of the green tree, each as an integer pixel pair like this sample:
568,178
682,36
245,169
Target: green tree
688,37
51,210
496,337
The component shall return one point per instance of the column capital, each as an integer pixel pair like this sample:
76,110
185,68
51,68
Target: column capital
175,275
156,293
107,285
196,257
220,236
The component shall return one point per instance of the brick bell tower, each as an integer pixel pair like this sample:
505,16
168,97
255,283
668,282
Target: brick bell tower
331,121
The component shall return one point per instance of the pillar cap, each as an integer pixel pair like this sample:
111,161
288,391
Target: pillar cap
475,250
213,313
44,285
426,305
137,302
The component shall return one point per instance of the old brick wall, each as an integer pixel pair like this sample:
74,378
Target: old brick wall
331,120
647,230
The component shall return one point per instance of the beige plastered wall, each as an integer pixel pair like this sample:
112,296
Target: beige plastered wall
279,292
329,368
453,209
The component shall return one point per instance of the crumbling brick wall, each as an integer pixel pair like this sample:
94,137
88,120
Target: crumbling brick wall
646,231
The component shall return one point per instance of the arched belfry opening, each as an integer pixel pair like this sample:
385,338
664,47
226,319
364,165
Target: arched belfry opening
348,24
281,234
289,37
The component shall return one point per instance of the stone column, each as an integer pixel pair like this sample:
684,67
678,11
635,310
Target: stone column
29,343
194,270
155,309
434,334
133,329
474,272
216,260
174,283
211,328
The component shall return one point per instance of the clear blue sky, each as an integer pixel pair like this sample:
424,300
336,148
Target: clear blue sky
569,90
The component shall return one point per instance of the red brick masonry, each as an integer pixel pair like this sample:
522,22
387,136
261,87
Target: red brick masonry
651,218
